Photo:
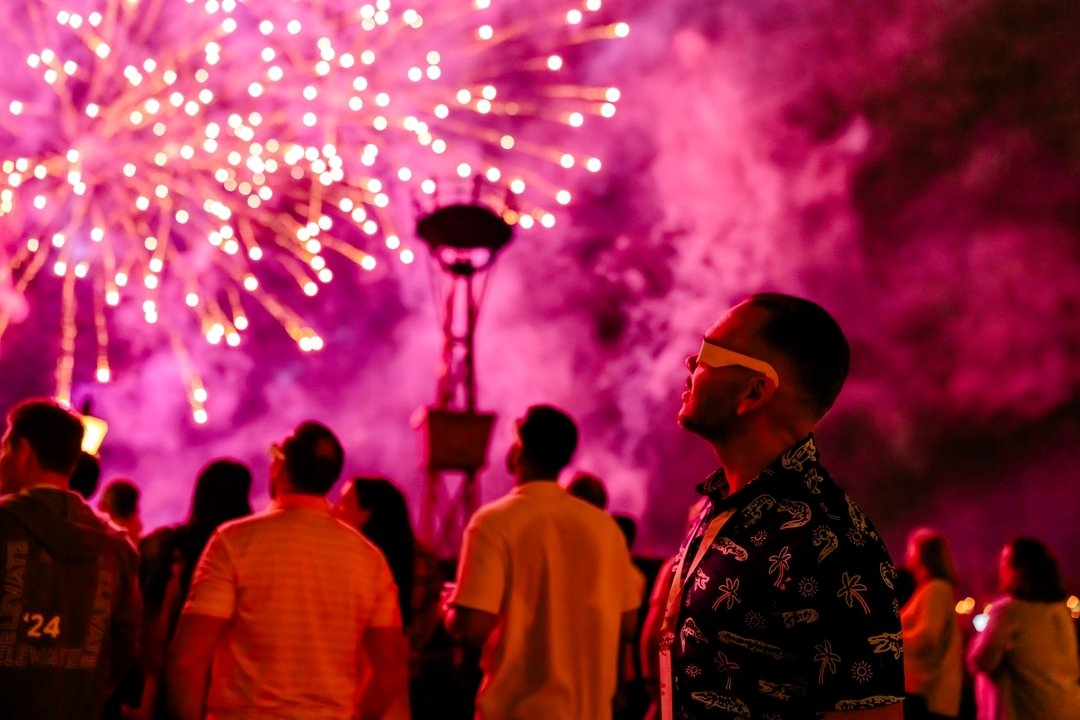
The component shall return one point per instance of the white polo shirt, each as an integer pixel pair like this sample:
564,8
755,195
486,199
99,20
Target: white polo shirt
299,588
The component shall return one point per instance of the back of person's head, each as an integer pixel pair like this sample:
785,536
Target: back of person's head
54,433
812,341
120,499
589,488
548,439
84,480
222,493
1036,576
313,458
930,551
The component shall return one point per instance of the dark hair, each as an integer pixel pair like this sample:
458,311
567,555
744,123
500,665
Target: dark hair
120,498
390,530
804,333
628,526
548,439
1037,577
932,552
313,458
84,479
221,493
589,488
54,433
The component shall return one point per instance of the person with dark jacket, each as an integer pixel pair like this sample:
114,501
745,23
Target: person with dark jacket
71,609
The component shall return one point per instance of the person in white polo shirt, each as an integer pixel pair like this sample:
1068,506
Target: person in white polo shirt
544,588
287,606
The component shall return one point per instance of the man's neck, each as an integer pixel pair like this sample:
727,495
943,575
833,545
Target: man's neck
55,481
524,476
744,457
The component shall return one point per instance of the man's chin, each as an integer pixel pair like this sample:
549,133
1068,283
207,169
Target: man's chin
686,419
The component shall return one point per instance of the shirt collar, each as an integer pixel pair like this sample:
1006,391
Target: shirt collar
299,501
538,487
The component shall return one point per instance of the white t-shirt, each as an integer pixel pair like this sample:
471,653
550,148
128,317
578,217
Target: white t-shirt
557,572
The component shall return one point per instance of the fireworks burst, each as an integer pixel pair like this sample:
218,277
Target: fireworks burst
191,157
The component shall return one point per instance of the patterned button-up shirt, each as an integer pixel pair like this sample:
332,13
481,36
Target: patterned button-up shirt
791,610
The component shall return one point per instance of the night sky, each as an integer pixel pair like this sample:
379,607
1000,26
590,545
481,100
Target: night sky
912,165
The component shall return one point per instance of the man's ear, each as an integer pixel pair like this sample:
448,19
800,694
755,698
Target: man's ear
24,451
756,393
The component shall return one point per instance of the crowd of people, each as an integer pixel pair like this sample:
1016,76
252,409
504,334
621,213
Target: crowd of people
782,602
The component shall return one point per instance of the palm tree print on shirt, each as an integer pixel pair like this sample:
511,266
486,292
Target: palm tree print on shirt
729,591
827,658
726,666
851,590
779,564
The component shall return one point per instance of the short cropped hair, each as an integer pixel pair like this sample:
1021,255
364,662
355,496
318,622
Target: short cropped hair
120,499
589,488
53,432
804,333
313,458
548,439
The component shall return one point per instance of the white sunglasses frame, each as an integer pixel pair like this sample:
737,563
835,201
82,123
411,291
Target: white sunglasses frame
717,356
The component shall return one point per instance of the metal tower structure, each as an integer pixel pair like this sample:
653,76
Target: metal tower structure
464,239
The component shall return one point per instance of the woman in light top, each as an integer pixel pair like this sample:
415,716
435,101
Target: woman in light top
933,655
1026,658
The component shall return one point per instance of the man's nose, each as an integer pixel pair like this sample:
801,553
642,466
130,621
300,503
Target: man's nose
691,362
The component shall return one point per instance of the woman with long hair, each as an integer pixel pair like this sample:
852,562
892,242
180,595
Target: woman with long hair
1026,657
933,663
170,555
377,508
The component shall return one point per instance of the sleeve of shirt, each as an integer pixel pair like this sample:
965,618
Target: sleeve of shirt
213,585
989,647
926,619
481,580
852,643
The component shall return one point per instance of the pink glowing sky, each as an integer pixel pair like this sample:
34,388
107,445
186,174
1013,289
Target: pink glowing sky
912,166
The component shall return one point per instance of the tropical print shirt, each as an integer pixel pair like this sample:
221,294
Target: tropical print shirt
790,611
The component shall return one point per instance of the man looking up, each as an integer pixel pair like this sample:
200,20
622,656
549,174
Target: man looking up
545,588
71,608
782,604
288,605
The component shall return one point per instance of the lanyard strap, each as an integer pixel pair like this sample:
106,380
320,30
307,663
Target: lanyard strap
671,610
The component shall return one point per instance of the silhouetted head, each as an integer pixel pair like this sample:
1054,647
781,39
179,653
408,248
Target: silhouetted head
1028,570
120,501
544,442
43,441
311,458
222,493
589,488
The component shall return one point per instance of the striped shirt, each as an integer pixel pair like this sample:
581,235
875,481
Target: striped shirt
298,588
